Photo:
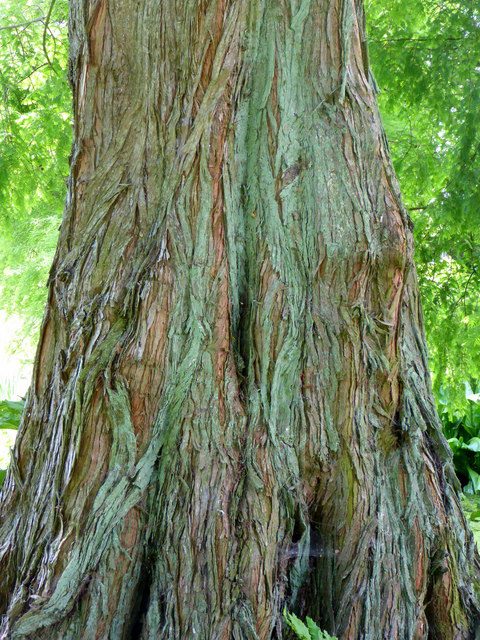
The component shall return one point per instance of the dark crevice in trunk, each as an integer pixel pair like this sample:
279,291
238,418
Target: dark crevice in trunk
317,557
399,429
143,594
439,466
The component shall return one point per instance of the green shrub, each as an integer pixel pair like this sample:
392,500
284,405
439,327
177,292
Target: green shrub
307,630
462,430
10,415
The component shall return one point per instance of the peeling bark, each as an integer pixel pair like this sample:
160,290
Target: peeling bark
231,408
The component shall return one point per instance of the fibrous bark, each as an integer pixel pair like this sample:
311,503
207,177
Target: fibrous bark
231,408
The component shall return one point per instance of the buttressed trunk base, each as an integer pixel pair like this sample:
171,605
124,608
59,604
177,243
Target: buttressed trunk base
231,409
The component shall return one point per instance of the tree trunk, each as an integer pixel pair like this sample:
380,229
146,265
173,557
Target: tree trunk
231,409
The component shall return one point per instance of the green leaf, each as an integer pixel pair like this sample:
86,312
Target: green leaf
472,445
310,631
455,444
300,629
10,414
473,397
474,479
315,632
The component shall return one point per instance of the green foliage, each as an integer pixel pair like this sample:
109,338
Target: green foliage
471,509
425,58
462,428
10,415
35,138
308,631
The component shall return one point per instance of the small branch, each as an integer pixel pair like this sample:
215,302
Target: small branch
463,297
429,39
45,28
40,66
22,24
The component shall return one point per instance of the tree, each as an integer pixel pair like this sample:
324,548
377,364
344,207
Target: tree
231,406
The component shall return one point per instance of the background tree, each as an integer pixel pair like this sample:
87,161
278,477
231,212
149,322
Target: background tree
231,406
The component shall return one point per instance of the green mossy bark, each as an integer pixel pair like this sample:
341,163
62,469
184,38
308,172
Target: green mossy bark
231,407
